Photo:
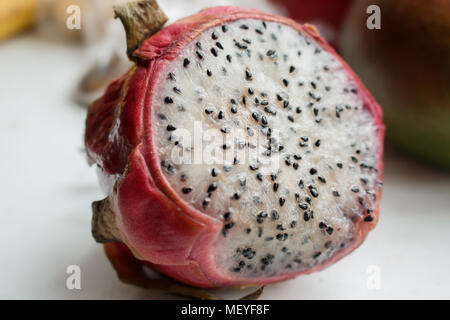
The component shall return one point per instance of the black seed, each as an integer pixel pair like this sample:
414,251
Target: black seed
298,110
317,254
240,45
306,216
317,144
209,110
228,58
303,206
316,111
186,190
214,36
248,252
214,172
199,54
170,128
168,100
339,165
248,230
212,187
275,215
171,76
248,74
253,167
236,196
227,215
199,45
322,225
233,109
264,120
368,219
282,236
293,224
250,91
186,62
355,189
285,82
244,26
301,184
224,28
229,225
313,191
271,53
282,201
291,69
354,159
322,179
206,202
162,116
214,52
275,186
255,116
176,90
264,25
327,244
246,40
237,269
290,118
312,171
219,45
330,230
259,176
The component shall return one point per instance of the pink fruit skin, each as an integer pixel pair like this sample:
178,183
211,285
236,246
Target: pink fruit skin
157,226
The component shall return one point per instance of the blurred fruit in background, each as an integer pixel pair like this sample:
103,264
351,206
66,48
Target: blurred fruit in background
406,65
327,15
15,16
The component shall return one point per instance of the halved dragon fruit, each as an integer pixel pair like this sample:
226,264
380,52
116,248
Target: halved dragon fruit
241,149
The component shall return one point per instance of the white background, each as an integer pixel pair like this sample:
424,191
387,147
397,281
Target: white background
46,189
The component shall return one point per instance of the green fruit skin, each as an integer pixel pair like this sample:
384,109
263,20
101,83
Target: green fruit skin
406,65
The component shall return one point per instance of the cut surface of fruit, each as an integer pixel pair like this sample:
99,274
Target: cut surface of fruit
288,150
240,150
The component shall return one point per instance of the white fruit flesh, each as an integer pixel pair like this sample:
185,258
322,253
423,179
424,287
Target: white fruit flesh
328,142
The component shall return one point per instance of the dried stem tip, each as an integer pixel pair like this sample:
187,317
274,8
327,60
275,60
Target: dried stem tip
141,19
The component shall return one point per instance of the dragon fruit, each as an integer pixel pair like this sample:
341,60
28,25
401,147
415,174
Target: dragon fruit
239,150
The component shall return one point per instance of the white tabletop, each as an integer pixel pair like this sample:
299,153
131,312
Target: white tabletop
47,187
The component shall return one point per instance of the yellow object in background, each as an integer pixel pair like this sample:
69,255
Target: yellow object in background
15,16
